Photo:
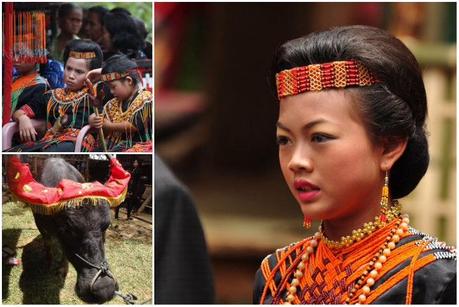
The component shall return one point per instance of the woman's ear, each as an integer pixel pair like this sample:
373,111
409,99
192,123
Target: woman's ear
393,149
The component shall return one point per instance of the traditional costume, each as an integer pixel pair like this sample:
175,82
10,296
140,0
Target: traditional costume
138,112
386,261
26,88
65,112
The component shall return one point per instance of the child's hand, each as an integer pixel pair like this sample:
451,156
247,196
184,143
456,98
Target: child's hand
27,132
94,75
96,121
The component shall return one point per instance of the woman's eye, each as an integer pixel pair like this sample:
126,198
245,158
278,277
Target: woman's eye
282,140
320,138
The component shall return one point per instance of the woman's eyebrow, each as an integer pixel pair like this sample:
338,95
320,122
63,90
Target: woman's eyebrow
305,127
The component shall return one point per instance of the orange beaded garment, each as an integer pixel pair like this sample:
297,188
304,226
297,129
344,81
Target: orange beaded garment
390,262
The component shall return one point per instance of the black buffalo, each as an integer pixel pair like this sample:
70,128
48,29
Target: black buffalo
80,234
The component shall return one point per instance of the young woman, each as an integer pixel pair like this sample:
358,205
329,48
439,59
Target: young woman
121,35
66,110
352,109
127,122
70,19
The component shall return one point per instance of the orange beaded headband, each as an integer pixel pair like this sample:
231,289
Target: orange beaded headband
114,76
316,77
82,55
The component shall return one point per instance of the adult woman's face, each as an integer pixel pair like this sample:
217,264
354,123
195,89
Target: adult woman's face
106,41
327,158
94,28
72,22
75,73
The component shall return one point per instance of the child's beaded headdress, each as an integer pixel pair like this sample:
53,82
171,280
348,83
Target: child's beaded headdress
82,55
114,76
118,75
317,77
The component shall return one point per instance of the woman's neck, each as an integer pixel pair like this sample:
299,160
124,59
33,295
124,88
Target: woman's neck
335,229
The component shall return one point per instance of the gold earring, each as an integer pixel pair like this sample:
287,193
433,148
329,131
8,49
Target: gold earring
385,194
307,222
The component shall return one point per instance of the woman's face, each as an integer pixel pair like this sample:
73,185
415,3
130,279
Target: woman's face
72,22
327,158
106,41
75,73
94,28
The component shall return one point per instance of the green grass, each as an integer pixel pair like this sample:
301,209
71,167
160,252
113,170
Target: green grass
128,249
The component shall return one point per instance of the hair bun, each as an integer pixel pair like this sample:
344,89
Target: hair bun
411,166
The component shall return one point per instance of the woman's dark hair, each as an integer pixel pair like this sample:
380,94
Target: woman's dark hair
84,45
66,8
120,10
121,63
394,109
100,11
123,32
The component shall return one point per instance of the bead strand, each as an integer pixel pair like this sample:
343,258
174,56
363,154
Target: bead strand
380,221
312,244
375,265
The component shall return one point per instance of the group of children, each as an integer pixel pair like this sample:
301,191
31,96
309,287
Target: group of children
117,108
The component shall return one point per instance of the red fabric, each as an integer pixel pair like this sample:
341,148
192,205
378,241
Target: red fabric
7,61
25,188
28,111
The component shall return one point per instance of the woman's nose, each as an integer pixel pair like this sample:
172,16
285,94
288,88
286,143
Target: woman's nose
300,160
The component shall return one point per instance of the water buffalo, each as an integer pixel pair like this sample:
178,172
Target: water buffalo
79,230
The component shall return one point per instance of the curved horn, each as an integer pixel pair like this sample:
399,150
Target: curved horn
46,200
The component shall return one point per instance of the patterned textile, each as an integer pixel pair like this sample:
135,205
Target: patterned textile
47,200
138,113
420,270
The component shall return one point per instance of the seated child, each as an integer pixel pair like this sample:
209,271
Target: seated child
66,109
126,119
27,85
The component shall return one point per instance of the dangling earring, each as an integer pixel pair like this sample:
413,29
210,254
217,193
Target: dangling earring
307,222
385,194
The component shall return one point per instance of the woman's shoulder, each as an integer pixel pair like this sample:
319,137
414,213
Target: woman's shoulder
426,263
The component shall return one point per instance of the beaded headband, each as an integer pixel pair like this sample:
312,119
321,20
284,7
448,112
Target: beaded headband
114,76
82,55
316,77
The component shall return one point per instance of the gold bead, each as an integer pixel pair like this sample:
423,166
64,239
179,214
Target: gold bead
362,298
399,231
395,238
386,252
366,289
309,249
305,257
292,289
391,245
298,274
382,258
374,273
313,243
290,298
378,265
370,282
295,282
300,265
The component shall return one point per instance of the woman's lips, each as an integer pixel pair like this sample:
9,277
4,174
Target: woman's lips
307,192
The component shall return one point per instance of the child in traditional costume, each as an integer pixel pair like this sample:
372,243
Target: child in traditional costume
66,110
27,85
127,118
352,110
